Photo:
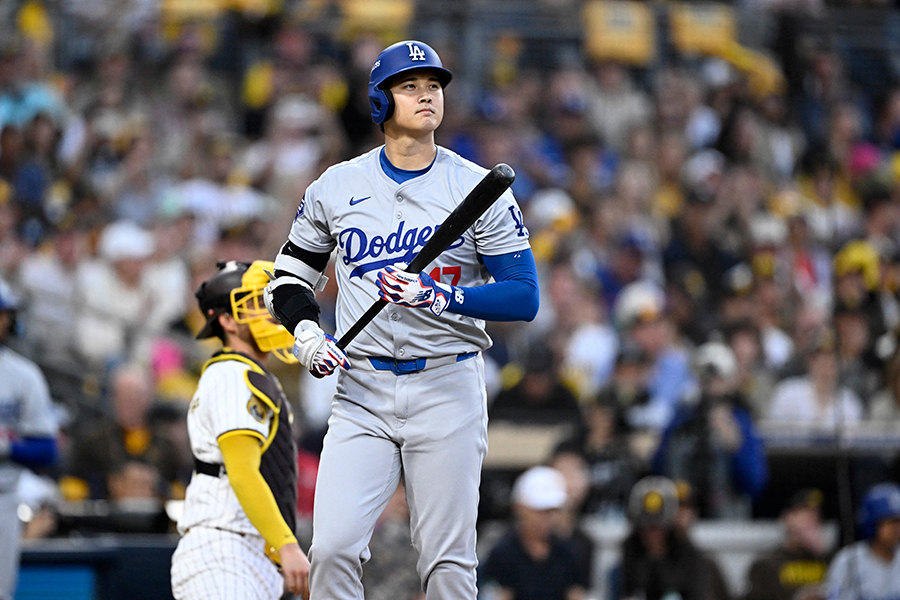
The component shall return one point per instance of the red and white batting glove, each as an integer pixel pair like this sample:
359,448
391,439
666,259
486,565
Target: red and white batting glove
411,289
316,350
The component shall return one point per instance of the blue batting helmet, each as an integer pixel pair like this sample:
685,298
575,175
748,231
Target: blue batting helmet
880,502
397,58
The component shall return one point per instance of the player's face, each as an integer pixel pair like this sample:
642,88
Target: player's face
418,103
888,532
5,324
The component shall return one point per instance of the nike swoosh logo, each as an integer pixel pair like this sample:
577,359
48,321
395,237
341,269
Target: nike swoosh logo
358,200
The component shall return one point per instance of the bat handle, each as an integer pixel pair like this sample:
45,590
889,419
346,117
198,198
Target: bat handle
361,323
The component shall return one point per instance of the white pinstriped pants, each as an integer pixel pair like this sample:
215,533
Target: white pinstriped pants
221,565
432,425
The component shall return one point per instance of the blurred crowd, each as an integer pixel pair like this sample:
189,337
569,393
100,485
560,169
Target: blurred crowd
717,232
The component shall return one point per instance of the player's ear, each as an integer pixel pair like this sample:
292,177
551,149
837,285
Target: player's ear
227,323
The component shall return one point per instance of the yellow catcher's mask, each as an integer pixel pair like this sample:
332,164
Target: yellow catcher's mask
247,306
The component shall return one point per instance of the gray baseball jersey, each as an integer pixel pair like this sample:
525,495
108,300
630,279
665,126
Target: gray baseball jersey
375,222
25,411
25,407
856,573
431,425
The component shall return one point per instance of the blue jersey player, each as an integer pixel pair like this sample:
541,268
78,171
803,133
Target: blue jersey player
411,398
28,431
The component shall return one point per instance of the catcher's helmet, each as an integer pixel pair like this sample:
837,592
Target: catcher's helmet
397,58
238,288
880,502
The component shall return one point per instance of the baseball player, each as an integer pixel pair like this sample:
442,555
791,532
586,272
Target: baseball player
870,568
27,436
411,397
239,512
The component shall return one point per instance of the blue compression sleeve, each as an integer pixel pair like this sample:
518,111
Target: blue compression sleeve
34,452
513,296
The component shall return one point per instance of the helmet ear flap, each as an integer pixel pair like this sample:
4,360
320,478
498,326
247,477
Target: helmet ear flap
382,104
389,112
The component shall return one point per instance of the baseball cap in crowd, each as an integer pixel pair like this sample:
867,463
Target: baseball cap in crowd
641,301
123,240
714,360
739,280
859,256
810,498
540,488
653,501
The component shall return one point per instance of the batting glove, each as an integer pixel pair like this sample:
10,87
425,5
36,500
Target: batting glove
411,289
316,350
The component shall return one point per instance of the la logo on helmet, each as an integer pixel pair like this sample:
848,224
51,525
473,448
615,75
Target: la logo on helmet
415,53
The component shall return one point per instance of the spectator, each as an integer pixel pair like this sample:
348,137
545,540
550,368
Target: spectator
101,444
578,327
826,206
615,106
530,562
805,262
133,480
712,442
656,559
857,274
816,400
860,369
870,568
48,278
754,381
539,397
613,449
218,196
685,517
22,99
640,316
574,469
695,241
884,407
297,142
796,569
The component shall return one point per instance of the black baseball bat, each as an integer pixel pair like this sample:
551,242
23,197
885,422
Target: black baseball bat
463,216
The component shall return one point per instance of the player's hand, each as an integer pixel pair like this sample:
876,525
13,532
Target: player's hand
295,568
725,428
316,350
410,289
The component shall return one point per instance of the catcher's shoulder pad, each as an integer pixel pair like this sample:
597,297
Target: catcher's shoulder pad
265,388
